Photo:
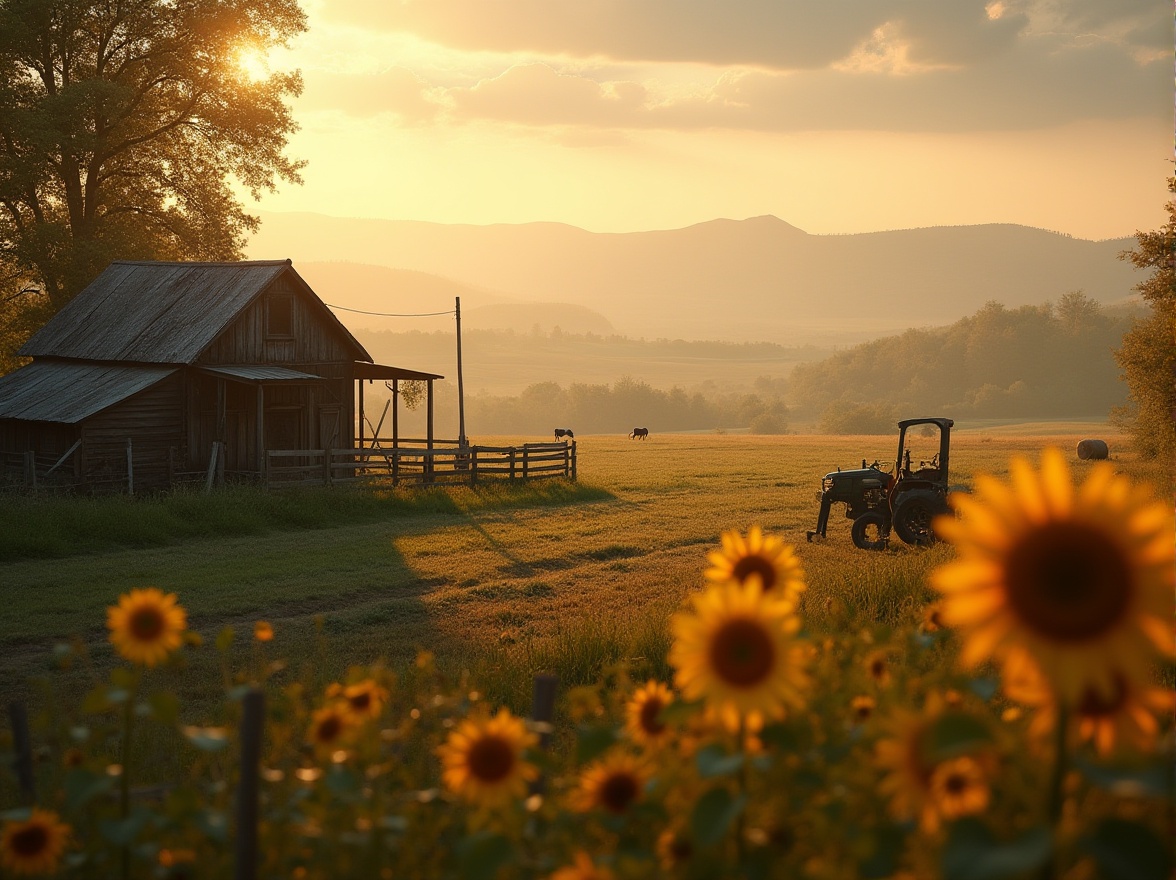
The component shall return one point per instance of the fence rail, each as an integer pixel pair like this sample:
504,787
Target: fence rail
415,465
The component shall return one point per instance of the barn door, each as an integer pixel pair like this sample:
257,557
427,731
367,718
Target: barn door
330,436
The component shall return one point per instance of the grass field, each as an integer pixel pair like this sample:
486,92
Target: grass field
479,578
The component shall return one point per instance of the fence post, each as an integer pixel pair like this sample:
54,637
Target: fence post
543,710
525,460
512,463
23,749
252,724
326,467
473,465
572,460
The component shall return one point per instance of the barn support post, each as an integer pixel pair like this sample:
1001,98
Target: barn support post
395,414
30,469
261,469
429,435
130,469
359,394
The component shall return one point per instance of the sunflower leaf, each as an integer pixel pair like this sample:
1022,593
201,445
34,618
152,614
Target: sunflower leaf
713,815
82,786
955,733
1128,851
593,740
480,855
713,760
971,852
1152,781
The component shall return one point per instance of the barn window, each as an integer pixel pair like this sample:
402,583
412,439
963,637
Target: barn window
280,316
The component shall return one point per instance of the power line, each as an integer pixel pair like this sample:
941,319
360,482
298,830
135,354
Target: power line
389,314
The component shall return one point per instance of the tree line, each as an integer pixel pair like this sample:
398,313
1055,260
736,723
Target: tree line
1044,361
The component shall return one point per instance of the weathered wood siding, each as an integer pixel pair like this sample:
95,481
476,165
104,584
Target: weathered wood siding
153,420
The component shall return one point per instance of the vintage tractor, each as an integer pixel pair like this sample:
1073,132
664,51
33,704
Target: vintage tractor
904,500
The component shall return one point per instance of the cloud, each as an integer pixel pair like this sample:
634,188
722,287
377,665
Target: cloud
536,94
775,34
396,90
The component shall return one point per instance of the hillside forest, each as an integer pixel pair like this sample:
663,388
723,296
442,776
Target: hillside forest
1053,360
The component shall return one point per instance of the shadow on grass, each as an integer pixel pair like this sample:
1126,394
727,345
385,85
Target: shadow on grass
53,528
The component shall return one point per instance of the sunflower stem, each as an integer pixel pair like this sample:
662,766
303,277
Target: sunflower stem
1055,794
124,778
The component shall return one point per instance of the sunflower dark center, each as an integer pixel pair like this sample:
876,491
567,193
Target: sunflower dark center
329,729
360,701
491,759
742,653
31,840
680,849
1097,705
955,784
755,564
146,624
649,720
1068,582
618,791
877,668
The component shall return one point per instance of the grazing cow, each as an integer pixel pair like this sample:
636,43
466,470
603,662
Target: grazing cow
560,433
639,433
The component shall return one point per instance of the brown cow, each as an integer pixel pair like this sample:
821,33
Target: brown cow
639,433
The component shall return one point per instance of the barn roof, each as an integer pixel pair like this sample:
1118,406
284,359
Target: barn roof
162,313
56,391
261,373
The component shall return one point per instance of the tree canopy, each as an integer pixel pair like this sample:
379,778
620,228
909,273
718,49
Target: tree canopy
1148,353
123,127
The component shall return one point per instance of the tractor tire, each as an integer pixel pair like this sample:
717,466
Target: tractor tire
871,531
914,514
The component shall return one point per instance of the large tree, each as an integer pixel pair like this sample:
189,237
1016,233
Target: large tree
124,125
1148,353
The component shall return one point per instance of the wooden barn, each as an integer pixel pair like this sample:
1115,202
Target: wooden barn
144,373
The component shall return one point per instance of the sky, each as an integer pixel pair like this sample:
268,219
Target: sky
838,116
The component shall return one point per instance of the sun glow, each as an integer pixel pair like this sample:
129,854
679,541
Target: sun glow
252,63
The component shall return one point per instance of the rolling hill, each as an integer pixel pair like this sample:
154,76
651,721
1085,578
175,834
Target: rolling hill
760,279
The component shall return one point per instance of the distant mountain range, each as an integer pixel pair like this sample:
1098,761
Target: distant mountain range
760,279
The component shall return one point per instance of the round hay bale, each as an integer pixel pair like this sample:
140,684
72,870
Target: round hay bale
1092,449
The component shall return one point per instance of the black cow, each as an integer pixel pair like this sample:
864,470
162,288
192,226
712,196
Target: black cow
639,433
560,433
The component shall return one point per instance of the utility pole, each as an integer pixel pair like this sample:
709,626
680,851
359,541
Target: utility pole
461,434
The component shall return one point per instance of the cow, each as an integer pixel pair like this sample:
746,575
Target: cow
560,433
639,433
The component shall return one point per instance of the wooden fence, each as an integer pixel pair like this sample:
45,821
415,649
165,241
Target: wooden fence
415,465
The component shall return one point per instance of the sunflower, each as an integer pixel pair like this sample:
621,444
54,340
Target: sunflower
862,707
1123,719
483,759
877,665
642,711
613,784
364,700
674,848
959,788
765,557
582,868
146,625
932,620
1082,578
902,756
737,652
33,845
263,631
329,727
